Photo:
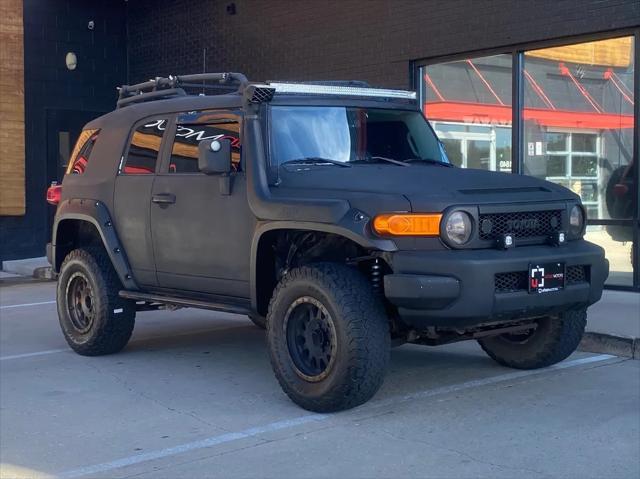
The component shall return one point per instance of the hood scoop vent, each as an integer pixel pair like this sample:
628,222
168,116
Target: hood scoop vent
493,191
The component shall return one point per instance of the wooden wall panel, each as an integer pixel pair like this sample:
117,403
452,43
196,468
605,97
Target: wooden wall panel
12,159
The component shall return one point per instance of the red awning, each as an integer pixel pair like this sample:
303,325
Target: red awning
481,113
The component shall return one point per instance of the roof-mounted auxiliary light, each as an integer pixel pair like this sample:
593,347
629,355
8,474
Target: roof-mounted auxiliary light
311,89
160,88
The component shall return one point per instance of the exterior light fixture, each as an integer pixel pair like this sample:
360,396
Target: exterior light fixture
71,60
506,241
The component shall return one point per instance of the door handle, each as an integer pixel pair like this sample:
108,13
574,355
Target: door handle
164,198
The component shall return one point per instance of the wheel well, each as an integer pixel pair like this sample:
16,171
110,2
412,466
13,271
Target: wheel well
280,250
73,234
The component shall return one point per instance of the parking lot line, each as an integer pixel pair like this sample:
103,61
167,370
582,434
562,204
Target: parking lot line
29,355
10,306
310,418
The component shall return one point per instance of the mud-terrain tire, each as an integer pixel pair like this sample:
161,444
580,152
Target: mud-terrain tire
344,321
258,320
555,338
99,321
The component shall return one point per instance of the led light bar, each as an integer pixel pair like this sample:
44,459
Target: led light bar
310,89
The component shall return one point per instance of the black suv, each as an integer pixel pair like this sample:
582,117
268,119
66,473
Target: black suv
329,214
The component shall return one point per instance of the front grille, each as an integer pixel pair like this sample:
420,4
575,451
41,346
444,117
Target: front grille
529,224
511,282
517,280
577,274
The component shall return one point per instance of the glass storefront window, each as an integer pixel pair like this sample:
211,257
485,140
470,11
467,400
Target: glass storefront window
577,128
578,122
618,245
469,105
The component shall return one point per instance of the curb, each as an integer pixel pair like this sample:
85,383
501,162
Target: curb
39,275
44,272
604,343
22,280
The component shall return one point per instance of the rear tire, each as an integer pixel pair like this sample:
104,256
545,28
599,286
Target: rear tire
328,337
554,339
94,319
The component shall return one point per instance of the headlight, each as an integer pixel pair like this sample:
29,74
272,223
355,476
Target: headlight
457,227
576,220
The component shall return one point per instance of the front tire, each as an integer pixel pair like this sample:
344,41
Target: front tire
94,319
328,337
553,340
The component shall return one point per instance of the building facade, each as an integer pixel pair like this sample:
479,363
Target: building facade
546,88
57,96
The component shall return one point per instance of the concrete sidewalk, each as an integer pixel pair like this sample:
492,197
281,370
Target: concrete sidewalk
613,325
29,267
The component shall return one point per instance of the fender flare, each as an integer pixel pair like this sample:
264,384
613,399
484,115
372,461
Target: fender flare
96,213
350,228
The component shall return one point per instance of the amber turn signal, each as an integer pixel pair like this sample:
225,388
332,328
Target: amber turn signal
407,224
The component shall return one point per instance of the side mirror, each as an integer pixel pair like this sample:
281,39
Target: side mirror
214,156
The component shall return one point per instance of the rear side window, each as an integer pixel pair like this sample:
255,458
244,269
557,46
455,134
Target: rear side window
184,152
144,147
81,152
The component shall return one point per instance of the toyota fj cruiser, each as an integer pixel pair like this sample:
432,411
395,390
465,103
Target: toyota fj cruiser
329,214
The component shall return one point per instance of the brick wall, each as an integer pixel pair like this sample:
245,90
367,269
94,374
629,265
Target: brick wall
51,29
12,197
373,40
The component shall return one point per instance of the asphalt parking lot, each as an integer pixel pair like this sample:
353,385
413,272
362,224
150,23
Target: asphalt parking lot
193,396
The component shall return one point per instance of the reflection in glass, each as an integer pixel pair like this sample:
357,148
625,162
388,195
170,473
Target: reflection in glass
579,102
478,154
556,141
184,152
557,165
469,103
454,150
144,148
351,135
618,245
584,142
584,166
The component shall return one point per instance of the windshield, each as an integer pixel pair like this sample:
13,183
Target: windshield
345,136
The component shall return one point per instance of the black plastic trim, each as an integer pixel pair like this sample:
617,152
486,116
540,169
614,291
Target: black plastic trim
96,213
226,307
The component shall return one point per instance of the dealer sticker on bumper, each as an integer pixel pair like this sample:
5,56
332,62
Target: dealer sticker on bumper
546,277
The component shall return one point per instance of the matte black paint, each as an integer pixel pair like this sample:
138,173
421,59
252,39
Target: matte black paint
96,213
204,244
464,293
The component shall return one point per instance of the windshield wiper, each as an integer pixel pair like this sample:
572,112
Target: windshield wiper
382,158
431,161
316,160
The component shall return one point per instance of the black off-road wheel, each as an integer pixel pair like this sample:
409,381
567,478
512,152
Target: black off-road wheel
94,319
553,339
328,337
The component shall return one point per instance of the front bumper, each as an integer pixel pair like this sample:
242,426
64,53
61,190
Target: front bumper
456,288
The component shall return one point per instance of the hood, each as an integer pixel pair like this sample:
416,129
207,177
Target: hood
419,187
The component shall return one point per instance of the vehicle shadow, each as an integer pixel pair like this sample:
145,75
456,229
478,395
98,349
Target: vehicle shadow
235,348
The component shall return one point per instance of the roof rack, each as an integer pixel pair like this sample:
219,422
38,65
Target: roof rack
173,86
161,88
